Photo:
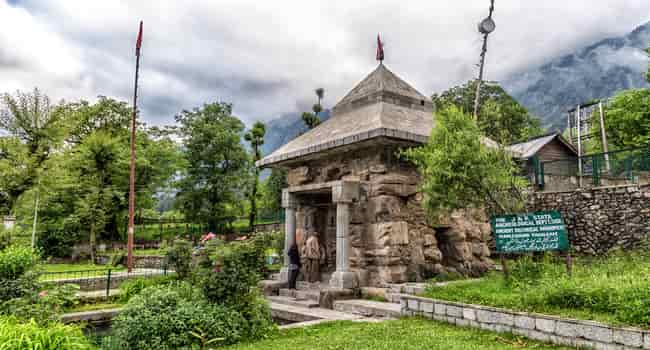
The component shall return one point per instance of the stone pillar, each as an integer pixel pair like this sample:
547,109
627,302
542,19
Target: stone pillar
343,194
289,204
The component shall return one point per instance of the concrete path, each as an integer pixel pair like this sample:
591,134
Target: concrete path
97,294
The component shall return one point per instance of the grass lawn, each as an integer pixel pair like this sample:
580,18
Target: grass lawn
393,335
614,290
95,306
75,267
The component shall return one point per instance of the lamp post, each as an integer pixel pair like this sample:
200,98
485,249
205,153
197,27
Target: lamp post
485,27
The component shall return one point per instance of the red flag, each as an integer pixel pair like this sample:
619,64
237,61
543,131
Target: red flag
138,43
380,49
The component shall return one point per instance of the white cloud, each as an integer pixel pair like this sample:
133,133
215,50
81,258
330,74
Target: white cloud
267,56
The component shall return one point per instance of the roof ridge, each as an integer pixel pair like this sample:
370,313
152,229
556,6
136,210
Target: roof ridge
381,80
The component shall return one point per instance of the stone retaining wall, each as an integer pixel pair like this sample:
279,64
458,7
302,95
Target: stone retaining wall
139,261
544,328
601,219
274,226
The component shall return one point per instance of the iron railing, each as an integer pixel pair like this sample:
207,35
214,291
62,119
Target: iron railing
99,279
600,169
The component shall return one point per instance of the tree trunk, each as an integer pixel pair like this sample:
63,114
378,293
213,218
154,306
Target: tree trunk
253,213
93,242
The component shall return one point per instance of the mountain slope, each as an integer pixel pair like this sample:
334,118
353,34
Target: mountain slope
284,129
596,71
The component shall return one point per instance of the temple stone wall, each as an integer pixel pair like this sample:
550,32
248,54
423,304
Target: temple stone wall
390,237
601,219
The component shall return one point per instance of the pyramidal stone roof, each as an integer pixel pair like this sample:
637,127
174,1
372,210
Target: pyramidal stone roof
381,105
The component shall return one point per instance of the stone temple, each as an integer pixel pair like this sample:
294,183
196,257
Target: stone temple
348,184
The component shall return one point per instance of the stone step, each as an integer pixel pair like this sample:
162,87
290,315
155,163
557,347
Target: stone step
308,304
313,294
368,308
394,298
302,285
310,294
289,293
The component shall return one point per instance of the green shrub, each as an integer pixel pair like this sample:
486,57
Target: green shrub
232,281
229,283
249,255
16,276
175,316
5,238
15,261
179,258
133,287
44,306
19,287
117,258
30,335
57,242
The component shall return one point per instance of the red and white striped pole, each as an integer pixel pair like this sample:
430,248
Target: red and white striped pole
129,259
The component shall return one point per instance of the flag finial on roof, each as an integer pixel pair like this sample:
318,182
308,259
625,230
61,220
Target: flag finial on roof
380,49
138,42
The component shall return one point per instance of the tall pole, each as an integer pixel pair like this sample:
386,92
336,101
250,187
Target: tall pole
129,244
38,191
603,135
485,27
579,146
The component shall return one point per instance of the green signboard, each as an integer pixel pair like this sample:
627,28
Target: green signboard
534,232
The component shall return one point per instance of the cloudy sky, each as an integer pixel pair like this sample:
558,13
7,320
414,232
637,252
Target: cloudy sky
266,57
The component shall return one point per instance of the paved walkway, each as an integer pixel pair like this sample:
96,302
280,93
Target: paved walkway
98,294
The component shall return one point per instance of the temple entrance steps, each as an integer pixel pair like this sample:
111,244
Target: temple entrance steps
305,295
301,294
293,301
368,308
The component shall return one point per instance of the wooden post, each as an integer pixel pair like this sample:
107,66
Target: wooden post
504,265
569,264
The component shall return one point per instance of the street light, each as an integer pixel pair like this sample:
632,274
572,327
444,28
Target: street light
485,27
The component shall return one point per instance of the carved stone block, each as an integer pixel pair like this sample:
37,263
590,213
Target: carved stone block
298,176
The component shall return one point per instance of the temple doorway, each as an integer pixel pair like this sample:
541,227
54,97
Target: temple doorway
319,215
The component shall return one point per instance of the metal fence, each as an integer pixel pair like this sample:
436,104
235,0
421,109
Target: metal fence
100,279
621,167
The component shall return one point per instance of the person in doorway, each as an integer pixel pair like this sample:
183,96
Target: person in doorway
312,254
294,265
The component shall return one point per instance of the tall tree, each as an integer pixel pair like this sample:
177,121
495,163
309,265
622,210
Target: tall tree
311,119
628,119
500,116
34,130
85,190
255,137
273,187
460,170
100,163
217,163
16,170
